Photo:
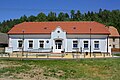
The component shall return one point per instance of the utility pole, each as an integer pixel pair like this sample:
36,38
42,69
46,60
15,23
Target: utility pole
23,44
90,42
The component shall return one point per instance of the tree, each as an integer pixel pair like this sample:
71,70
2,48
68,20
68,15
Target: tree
67,17
5,29
72,15
41,17
107,17
78,16
96,18
52,16
61,16
31,18
23,18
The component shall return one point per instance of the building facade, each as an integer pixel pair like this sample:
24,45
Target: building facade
114,39
3,40
59,37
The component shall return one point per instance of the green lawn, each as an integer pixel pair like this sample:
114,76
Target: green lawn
84,69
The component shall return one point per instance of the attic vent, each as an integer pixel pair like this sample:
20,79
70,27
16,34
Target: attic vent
74,27
45,27
58,31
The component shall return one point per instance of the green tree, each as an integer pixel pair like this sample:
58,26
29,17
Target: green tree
52,16
72,15
67,17
78,16
23,18
61,16
107,17
41,17
31,18
5,29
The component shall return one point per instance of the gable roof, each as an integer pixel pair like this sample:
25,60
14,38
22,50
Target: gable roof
73,27
113,32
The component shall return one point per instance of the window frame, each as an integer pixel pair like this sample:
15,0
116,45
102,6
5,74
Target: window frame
86,44
96,45
113,39
41,41
113,45
30,41
19,43
75,42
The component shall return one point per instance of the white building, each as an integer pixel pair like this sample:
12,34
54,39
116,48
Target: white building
59,36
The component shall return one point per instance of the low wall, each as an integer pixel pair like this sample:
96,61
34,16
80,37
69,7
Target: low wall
115,49
2,49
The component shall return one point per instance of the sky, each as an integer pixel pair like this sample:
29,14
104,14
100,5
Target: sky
13,9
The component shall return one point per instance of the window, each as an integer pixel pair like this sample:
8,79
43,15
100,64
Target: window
20,42
86,44
30,44
47,41
113,46
113,39
58,44
58,31
96,44
75,44
41,44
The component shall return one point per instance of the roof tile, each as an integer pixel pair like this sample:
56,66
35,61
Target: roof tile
71,27
113,32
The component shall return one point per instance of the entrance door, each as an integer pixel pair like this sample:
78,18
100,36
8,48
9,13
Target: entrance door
58,46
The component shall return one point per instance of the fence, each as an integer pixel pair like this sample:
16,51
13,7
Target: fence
54,55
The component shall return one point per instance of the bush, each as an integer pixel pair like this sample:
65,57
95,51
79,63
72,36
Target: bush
118,54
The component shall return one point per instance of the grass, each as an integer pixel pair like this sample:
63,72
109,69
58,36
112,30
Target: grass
84,69
14,69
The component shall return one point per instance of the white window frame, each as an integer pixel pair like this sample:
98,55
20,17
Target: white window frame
76,43
87,43
30,41
98,45
41,42
20,41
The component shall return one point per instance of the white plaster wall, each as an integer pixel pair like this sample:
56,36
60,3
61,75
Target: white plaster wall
13,42
58,36
36,43
102,45
67,42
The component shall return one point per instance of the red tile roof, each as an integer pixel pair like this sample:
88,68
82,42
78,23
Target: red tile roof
113,32
73,27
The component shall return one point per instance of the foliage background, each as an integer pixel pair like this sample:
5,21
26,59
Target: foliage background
107,17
